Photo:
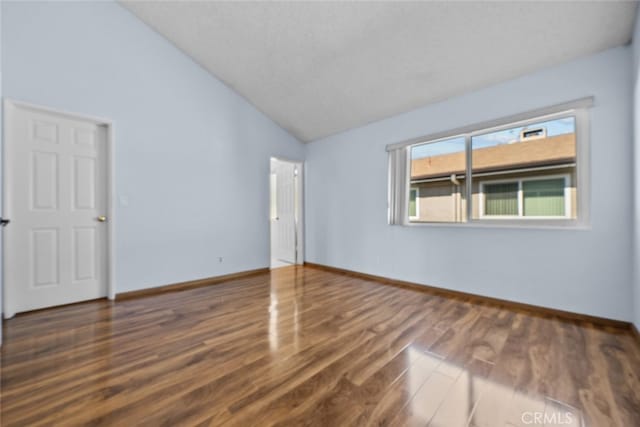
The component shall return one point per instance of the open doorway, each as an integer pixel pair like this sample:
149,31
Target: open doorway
286,224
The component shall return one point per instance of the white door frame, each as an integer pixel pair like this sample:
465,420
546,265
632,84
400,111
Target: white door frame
10,106
299,188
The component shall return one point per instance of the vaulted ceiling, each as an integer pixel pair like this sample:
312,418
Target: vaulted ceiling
317,68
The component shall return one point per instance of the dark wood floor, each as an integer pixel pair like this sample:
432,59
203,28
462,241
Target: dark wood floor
302,346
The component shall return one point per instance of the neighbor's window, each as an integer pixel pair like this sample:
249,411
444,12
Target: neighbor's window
546,197
522,171
501,199
414,194
526,197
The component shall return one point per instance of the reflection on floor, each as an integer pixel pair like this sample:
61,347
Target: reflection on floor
277,263
304,346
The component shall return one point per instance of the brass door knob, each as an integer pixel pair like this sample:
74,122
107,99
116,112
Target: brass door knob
102,218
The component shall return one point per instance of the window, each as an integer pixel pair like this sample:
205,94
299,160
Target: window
525,172
414,194
438,171
544,197
501,199
522,170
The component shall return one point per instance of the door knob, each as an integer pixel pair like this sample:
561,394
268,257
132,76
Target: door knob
102,218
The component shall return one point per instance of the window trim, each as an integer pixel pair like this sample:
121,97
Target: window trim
578,109
417,190
520,180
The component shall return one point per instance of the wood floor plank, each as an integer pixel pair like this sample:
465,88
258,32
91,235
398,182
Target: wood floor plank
303,346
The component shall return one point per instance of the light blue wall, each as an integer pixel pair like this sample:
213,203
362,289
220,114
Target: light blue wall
636,162
585,271
192,157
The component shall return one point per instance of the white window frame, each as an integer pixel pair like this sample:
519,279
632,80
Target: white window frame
520,181
579,109
417,190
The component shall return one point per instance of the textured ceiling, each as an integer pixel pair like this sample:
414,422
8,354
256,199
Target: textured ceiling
318,68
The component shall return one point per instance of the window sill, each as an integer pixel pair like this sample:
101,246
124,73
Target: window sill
502,224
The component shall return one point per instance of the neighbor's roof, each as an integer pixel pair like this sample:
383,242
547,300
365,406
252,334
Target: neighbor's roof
538,152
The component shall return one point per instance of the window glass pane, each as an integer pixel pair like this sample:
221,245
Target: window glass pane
544,197
438,170
525,154
412,202
501,199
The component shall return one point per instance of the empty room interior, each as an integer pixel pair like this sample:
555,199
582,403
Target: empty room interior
345,213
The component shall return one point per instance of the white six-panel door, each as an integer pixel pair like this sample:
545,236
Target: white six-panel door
55,247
